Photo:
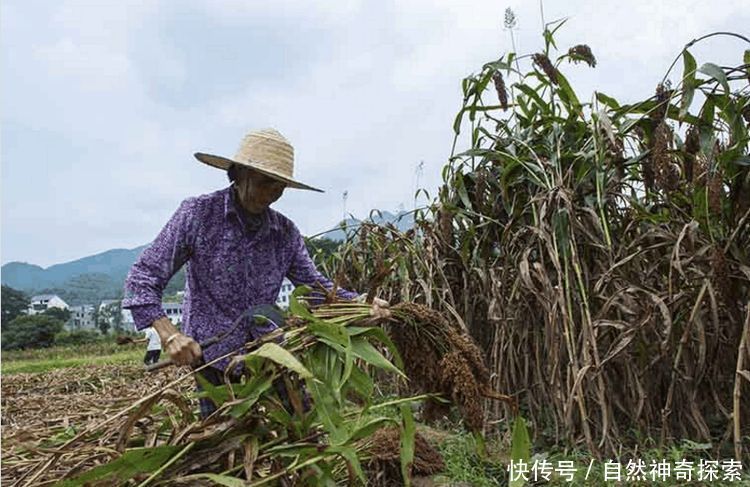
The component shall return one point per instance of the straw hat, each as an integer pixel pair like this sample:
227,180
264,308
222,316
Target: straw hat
265,151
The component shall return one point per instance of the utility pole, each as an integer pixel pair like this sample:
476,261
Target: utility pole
343,198
418,175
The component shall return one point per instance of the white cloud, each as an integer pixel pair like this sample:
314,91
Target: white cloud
329,13
106,102
88,67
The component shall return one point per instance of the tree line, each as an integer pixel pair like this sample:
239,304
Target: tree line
21,331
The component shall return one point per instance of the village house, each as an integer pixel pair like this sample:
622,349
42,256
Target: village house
81,318
282,301
127,319
40,303
173,310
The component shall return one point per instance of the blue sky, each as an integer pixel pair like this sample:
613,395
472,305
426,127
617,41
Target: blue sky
104,103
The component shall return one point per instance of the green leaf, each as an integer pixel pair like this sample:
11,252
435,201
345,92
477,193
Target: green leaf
534,96
717,73
520,447
282,357
458,120
331,332
337,337
688,82
132,462
481,444
225,480
360,383
295,305
461,189
484,81
608,100
364,350
382,337
404,400
218,394
408,433
573,105
707,116
290,450
249,394
370,427
350,455
742,161
328,411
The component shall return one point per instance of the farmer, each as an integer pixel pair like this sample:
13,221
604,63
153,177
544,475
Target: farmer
237,250
153,348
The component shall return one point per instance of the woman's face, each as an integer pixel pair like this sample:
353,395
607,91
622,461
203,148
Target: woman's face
257,191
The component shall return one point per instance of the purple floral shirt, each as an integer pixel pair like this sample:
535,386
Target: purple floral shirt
230,268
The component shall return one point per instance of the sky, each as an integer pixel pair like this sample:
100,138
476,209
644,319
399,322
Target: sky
104,103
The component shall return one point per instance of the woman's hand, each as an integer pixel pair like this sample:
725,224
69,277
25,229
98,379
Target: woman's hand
182,349
380,309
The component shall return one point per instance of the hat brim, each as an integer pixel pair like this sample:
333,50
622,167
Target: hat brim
225,163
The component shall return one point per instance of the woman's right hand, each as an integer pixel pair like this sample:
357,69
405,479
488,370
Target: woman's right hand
182,349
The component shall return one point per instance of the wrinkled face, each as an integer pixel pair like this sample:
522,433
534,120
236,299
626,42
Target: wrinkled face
257,191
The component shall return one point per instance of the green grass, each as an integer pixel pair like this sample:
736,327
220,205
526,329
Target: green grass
465,467
43,360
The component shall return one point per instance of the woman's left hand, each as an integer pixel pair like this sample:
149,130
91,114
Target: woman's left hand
380,309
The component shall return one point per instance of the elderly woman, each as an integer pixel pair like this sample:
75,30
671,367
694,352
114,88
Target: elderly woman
237,250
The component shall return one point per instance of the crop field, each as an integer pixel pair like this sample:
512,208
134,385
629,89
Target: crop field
577,294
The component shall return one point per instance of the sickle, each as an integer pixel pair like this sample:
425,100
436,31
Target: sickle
205,343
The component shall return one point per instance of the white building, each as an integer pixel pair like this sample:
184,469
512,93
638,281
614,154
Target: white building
81,318
110,311
107,302
40,303
282,300
173,312
127,319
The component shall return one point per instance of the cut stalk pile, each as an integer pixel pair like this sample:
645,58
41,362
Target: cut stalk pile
304,412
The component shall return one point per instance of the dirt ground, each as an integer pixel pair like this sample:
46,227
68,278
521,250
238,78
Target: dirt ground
40,411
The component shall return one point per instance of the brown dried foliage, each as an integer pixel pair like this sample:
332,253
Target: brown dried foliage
715,190
720,274
700,170
384,467
692,146
37,407
605,312
663,94
445,224
667,172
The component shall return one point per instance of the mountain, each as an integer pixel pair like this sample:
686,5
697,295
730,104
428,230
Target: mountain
113,263
83,281
91,279
402,220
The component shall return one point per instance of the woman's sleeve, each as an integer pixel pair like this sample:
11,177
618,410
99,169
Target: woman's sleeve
157,264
